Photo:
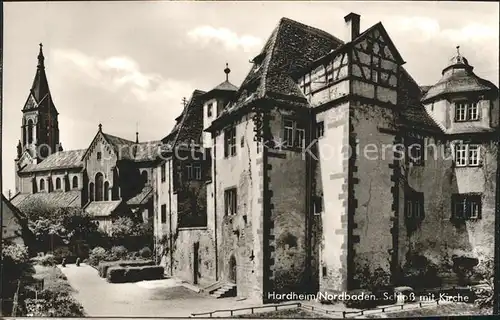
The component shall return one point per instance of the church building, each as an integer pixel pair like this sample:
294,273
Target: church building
113,177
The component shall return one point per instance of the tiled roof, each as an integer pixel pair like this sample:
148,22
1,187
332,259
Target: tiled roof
226,86
142,197
52,199
101,208
458,78
59,160
190,127
291,47
414,114
144,151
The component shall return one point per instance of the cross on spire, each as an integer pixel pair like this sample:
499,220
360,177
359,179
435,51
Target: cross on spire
458,50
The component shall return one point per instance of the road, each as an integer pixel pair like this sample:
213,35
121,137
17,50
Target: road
157,298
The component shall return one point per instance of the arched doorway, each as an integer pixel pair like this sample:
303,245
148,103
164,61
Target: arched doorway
232,269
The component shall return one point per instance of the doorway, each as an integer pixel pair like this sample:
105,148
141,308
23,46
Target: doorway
196,247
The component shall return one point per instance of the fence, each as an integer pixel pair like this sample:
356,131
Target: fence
341,313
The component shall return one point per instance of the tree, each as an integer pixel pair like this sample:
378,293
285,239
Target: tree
51,225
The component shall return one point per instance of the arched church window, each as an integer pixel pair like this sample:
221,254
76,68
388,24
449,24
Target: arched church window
99,186
91,191
58,184
106,191
42,184
30,131
75,182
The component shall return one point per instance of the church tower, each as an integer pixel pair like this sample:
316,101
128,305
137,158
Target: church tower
40,127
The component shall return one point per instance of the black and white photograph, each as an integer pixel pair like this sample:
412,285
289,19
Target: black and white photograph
260,159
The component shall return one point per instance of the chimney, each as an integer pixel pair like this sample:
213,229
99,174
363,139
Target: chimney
352,26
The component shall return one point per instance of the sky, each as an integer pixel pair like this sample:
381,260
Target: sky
128,64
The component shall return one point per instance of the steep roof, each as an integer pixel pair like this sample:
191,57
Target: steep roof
40,96
226,86
59,160
53,199
291,46
189,125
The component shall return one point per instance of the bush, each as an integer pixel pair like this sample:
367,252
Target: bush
145,253
97,255
119,252
45,260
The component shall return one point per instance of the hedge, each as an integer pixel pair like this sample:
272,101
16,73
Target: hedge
104,266
118,274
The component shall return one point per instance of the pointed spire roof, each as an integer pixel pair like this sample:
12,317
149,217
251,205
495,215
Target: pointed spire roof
39,93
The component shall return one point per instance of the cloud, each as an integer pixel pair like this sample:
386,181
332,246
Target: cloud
426,29
226,37
122,74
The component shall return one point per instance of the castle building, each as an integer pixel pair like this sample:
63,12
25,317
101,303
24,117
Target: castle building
328,169
113,177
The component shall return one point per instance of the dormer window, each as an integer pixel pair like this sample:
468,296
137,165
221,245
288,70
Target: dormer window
465,111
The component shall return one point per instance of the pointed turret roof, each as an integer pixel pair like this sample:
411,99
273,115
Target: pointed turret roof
458,77
40,96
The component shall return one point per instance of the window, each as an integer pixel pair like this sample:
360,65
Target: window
106,191
189,171
75,182
320,129
416,151
288,134
466,206
318,205
99,186
293,134
466,111
163,172
197,171
209,109
42,185
300,135
58,183
144,177
230,201
467,155
414,205
230,142
163,213
99,155
473,111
